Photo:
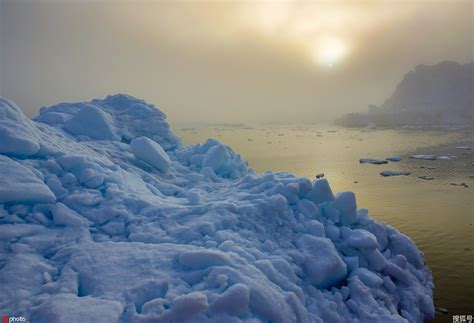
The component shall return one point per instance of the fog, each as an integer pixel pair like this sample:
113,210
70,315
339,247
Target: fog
206,61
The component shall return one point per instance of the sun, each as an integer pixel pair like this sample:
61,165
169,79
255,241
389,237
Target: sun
330,51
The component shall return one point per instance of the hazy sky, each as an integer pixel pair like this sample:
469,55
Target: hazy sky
222,61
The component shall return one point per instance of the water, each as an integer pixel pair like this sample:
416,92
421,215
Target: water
438,216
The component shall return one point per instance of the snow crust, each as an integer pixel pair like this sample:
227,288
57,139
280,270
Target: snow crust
107,217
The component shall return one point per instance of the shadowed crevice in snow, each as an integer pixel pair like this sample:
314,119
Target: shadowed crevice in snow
105,214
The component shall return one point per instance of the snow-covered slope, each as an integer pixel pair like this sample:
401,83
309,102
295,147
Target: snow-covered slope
106,216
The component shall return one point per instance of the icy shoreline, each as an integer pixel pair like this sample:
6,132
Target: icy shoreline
107,214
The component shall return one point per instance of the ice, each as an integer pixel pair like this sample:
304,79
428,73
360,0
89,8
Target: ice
345,202
18,184
215,157
92,122
71,308
234,301
322,263
394,158
106,216
17,134
203,259
387,173
372,161
424,157
444,158
151,152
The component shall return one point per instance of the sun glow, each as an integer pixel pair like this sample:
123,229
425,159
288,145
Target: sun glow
330,51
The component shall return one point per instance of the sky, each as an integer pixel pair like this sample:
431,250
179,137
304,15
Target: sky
226,61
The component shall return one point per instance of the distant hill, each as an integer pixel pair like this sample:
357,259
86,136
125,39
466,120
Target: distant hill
436,95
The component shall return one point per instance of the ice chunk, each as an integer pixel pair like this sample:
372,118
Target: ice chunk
20,184
203,258
424,157
394,158
63,216
323,266
185,307
234,301
387,173
345,202
372,161
308,208
215,157
361,239
321,192
151,152
443,158
146,291
90,121
18,136
369,278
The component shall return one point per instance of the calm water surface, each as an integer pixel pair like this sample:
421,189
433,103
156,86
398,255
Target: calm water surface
437,215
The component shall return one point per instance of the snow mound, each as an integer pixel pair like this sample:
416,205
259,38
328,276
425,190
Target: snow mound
117,117
106,216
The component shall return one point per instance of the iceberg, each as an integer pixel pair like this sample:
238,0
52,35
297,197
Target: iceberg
105,215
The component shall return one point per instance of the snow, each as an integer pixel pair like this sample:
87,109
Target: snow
18,184
107,217
323,265
151,152
387,173
17,133
92,122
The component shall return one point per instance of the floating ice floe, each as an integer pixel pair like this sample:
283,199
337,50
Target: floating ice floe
424,157
372,161
426,178
394,158
463,147
394,173
106,216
